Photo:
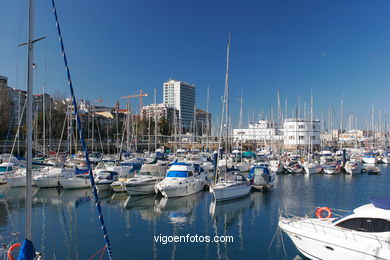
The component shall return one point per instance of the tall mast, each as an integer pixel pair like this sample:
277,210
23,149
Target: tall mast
227,101
240,123
207,117
311,121
155,120
28,205
341,119
44,112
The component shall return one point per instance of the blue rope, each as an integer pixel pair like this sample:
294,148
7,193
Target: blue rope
80,132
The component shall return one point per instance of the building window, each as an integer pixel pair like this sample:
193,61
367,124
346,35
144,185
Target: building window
301,137
313,138
290,126
314,127
301,126
291,137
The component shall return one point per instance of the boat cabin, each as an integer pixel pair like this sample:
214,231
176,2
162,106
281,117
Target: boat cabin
373,217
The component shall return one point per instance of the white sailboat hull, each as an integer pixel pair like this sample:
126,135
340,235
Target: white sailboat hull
230,192
16,181
46,182
75,183
143,189
313,169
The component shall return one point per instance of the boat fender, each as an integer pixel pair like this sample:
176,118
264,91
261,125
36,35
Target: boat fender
10,249
322,209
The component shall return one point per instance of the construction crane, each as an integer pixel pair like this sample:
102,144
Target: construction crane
141,94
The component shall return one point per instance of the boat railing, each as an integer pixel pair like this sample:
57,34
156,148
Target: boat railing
327,229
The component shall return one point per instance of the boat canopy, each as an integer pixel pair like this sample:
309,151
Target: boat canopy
381,202
261,169
177,174
249,154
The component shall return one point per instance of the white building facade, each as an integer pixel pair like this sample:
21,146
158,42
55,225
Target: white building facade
181,95
158,111
262,131
300,133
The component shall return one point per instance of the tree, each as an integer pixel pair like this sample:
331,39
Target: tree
5,112
164,126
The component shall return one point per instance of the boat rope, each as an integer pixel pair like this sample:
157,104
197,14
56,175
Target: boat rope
80,132
101,251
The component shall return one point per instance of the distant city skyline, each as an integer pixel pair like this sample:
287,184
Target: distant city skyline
334,48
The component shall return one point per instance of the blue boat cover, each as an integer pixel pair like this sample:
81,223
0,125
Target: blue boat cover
27,251
81,171
252,171
178,163
198,168
381,202
177,174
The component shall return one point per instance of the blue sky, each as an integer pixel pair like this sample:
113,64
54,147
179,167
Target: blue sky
335,48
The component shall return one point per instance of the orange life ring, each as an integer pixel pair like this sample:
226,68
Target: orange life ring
10,249
322,209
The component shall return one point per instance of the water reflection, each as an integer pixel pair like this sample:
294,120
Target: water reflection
144,204
66,224
180,210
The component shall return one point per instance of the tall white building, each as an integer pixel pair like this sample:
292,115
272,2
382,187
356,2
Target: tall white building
181,95
299,133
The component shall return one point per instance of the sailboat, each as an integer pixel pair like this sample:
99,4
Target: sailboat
237,185
310,166
27,250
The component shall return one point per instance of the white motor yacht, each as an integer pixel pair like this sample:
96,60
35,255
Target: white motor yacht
312,167
181,180
353,167
104,179
363,234
369,158
331,169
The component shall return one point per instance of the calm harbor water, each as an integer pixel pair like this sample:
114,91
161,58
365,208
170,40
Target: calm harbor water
65,223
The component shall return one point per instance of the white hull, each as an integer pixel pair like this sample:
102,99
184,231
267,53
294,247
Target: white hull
46,182
339,245
263,187
16,181
331,170
313,169
103,186
2,179
276,166
243,167
75,183
181,188
353,170
370,160
141,189
386,160
230,192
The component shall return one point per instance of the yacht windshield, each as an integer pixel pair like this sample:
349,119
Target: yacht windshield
366,224
144,173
